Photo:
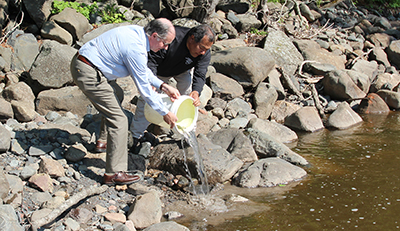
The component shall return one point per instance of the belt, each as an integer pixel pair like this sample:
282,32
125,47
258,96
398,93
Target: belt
83,59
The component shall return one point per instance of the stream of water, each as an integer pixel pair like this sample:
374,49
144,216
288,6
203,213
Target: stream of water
353,183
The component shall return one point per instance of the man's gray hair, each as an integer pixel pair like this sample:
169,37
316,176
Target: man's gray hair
158,26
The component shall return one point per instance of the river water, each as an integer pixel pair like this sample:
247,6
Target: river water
353,183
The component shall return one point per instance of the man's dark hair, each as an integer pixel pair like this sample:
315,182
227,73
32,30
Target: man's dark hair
158,26
200,31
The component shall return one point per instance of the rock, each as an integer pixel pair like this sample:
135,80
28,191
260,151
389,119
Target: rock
373,104
385,81
280,132
343,117
5,185
380,39
54,202
146,210
71,224
281,48
166,226
239,106
6,110
23,111
339,85
40,150
391,98
305,119
225,87
51,167
42,181
264,100
5,141
269,172
319,68
9,219
366,67
360,79
26,48
38,10
248,65
235,142
393,53
226,44
75,153
379,55
205,122
274,81
51,68
267,146
65,99
281,109
311,50
247,22
51,30
38,214
115,217
73,22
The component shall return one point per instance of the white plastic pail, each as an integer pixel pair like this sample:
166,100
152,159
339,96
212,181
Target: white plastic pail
183,108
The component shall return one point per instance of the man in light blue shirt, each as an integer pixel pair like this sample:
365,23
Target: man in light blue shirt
118,53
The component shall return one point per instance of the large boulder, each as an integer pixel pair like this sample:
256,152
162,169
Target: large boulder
281,109
339,85
393,52
248,65
26,49
51,68
38,10
269,172
65,99
373,104
72,21
391,98
225,87
281,48
51,30
279,131
21,97
219,164
385,81
267,146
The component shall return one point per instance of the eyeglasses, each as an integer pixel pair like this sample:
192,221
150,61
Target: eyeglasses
162,40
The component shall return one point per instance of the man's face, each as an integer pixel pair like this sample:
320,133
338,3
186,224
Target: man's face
200,48
157,43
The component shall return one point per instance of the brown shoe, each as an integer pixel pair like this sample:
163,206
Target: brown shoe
122,178
101,146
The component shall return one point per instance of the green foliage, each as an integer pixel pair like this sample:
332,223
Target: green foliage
84,9
386,3
111,14
258,32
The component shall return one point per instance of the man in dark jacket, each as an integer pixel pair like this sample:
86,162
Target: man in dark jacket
186,60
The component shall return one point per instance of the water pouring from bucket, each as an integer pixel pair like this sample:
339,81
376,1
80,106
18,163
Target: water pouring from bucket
183,108
187,115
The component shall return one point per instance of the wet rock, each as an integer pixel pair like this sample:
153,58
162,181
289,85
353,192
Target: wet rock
343,117
269,172
373,104
305,119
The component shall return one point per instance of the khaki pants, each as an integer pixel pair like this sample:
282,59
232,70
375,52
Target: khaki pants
103,96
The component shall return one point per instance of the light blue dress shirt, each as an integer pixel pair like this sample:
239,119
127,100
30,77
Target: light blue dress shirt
121,52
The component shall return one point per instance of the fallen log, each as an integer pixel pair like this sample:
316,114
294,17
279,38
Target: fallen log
67,204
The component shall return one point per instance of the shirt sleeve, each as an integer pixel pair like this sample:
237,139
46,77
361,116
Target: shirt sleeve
200,71
136,63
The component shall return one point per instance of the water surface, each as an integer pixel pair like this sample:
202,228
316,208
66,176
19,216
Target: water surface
353,183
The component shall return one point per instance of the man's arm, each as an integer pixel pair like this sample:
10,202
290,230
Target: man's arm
200,71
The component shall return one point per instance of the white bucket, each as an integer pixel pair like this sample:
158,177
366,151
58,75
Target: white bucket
183,108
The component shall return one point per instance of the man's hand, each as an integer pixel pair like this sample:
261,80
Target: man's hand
195,96
170,119
172,92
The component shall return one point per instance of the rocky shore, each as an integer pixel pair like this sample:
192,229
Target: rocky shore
318,67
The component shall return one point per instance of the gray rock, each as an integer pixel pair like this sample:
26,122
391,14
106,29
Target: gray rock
339,85
75,153
366,67
18,147
247,22
6,110
360,79
274,80
38,10
391,98
393,53
385,81
23,110
146,210
26,48
5,186
264,100
27,172
238,122
373,104
5,141
235,142
9,219
343,117
279,131
65,99
380,56
40,150
51,67
73,22
281,109
51,30
305,119
267,146
317,68
281,48
269,172
239,105
237,7
306,12
248,65
167,226
225,87
41,197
